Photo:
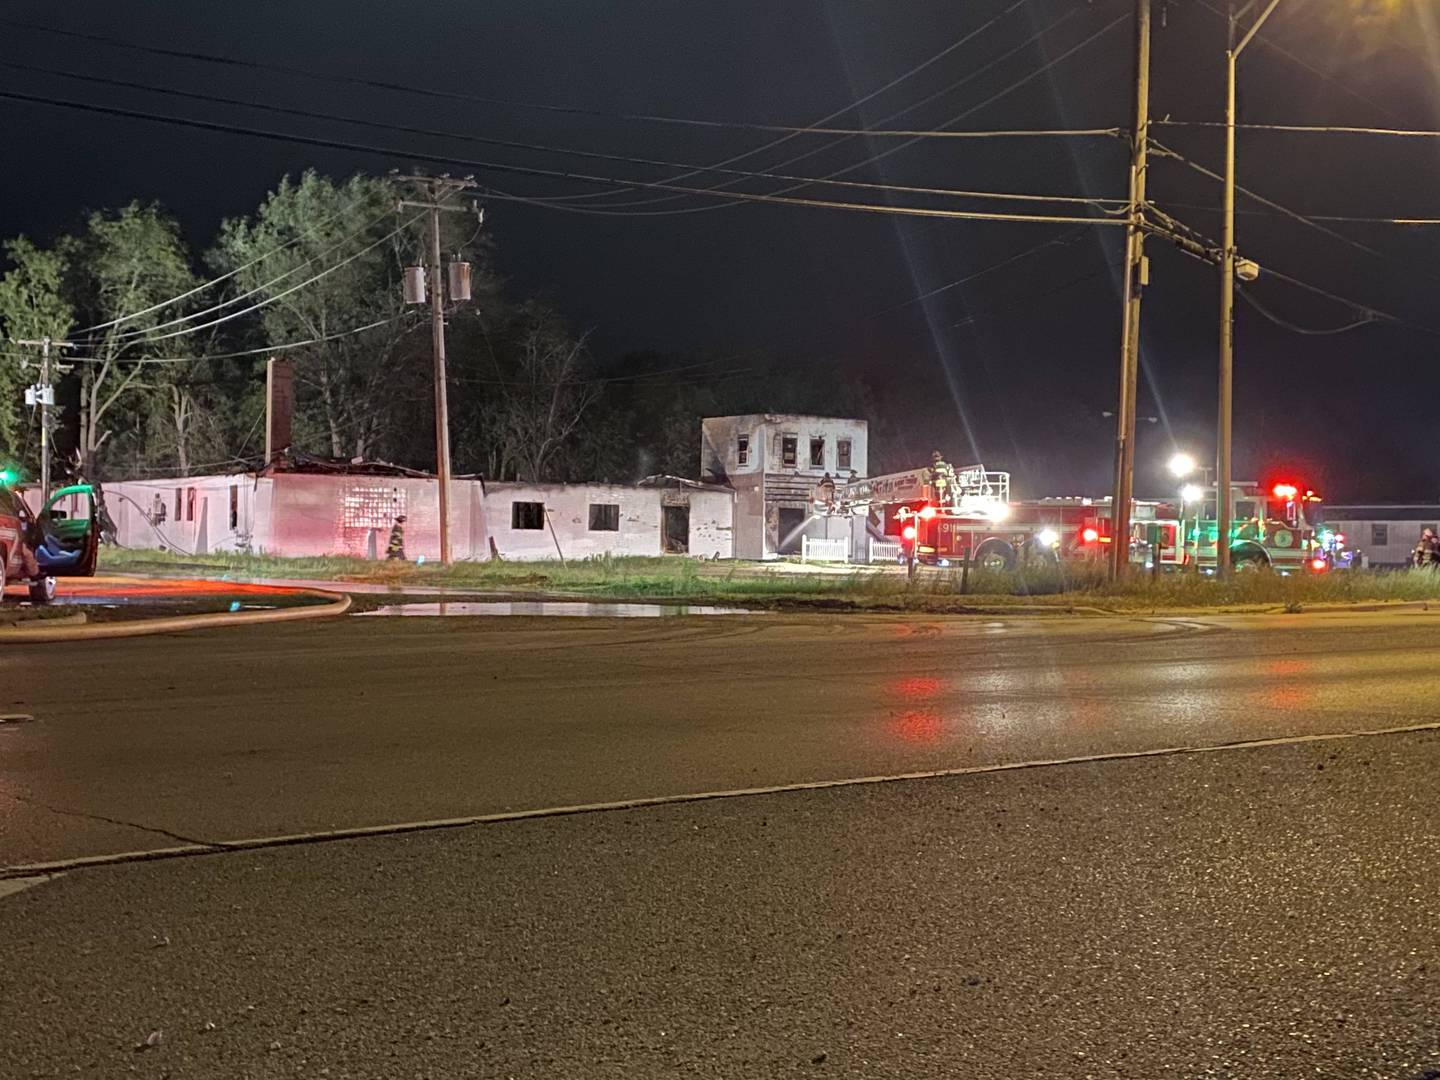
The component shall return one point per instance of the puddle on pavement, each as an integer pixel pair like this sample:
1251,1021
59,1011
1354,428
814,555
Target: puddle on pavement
552,607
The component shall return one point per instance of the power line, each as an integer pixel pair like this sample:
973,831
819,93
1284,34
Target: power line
1365,320
452,95
1029,299
880,133
281,347
213,281
1024,81
852,106
1208,250
292,289
968,77
1309,129
340,144
627,159
1058,241
1165,151
149,331
1349,219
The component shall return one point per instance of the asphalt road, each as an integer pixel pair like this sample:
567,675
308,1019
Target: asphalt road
1268,911
225,735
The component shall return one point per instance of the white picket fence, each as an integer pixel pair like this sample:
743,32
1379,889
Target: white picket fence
883,551
813,549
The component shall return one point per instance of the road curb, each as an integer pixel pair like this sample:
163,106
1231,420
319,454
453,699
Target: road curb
336,604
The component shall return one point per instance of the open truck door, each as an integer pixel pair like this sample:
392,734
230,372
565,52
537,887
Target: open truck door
68,528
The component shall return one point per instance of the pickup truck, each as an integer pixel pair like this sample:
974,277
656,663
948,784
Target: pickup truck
35,549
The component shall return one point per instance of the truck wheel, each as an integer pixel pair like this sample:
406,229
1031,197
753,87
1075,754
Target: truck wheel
1249,560
995,555
42,590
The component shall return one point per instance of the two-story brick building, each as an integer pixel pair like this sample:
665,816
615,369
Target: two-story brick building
776,463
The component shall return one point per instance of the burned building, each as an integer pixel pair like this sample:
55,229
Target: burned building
776,464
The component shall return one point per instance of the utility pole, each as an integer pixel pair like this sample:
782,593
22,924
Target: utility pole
436,188
1224,496
43,394
1136,277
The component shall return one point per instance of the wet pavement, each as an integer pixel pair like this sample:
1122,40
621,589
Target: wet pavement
170,594
563,608
350,723
1268,911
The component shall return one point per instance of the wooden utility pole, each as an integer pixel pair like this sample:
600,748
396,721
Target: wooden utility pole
1136,277
442,400
436,188
43,394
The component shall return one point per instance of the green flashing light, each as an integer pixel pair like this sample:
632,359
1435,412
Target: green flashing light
8,477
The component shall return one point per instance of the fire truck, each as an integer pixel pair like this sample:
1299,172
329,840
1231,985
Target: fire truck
1279,527
942,514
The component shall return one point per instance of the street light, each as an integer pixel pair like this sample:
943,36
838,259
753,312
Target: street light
1182,465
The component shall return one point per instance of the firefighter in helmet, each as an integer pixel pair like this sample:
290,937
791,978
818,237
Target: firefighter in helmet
395,549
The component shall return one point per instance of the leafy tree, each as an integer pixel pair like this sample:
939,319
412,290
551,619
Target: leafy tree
127,274
327,259
32,306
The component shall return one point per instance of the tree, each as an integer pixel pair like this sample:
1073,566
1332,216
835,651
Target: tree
536,391
32,306
328,258
127,275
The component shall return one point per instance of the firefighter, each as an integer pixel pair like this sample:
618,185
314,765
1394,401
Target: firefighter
1427,551
395,549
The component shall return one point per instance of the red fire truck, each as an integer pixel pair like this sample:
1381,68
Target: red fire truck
942,515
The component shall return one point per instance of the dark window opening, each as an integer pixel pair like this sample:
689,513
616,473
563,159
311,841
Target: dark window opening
527,515
742,449
817,453
234,506
1379,534
179,506
789,451
842,454
189,504
604,517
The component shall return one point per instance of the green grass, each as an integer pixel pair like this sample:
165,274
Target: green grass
678,579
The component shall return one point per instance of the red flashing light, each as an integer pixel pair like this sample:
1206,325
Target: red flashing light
1318,564
908,532
927,512
1285,491
1089,535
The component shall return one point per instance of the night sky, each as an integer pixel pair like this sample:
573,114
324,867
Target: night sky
1016,367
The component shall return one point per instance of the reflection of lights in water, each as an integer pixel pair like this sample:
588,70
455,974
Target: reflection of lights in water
916,686
918,726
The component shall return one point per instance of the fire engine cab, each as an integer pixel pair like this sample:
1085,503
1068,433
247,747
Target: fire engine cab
1280,527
